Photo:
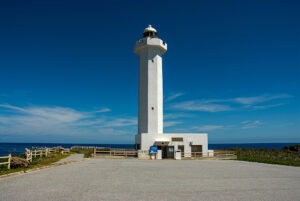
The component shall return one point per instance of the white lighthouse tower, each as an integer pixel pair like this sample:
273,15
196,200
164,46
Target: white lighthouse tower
150,50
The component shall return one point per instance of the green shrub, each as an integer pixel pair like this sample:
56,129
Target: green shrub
289,155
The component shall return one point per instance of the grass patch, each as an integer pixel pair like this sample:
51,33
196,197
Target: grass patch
36,162
289,155
87,152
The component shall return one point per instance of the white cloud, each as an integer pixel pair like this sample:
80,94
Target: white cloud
262,107
208,127
240,103
174,96
55,113
171,123
37,121
176,115
250,124
201,106
102,110
259,99
120,122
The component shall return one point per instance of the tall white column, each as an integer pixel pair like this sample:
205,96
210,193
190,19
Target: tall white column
150,114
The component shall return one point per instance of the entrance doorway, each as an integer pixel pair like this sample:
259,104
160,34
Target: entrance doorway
166,151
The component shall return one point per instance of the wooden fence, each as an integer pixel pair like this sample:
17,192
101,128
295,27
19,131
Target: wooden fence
43,151
215,154
36,152
8,161
77,148
115,153
133,153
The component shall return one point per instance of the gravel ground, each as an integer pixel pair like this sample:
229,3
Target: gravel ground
112,179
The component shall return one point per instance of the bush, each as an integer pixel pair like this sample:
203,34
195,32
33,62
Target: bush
289,155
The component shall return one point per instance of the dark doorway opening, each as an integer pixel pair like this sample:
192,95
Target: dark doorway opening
166,151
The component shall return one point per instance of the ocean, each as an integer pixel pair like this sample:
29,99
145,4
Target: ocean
17,148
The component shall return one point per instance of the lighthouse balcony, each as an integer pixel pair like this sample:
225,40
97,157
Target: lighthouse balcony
150,42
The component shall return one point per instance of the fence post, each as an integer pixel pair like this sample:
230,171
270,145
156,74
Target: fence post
9,159
26,153
41,153
46,152
94,152
35,153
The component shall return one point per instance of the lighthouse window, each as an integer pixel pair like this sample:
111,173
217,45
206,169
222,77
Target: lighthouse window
152,61
152,108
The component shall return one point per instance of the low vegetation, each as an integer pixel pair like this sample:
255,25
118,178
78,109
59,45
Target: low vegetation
36,162
289,155
88,151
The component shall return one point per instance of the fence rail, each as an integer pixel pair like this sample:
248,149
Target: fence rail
216,154
8,161
115,153
134,153
43,151
35,152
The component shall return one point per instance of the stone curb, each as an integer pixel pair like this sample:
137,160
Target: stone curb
14,174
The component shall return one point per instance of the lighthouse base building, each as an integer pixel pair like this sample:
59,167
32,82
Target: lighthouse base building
150,140
168,144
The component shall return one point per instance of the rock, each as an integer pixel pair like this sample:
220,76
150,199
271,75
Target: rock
293,148
18,162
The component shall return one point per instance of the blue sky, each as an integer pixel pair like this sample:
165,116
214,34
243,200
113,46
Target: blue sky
68,72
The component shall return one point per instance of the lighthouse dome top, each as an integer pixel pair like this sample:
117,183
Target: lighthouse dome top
150,32
150,28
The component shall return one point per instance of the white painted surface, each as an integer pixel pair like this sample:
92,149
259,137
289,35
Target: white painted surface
159,155
178,155
150,109
148,140
150,113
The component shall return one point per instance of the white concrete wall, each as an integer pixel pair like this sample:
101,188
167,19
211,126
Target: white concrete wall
150,109
150,113
148,140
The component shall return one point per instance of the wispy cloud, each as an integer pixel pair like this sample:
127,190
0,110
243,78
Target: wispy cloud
39,120
174,96
120,122
204,106
239,103
259,99
250,124
176,115
208,127
102,110
171,123
262,107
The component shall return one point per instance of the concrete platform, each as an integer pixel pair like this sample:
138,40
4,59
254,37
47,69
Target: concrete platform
113,179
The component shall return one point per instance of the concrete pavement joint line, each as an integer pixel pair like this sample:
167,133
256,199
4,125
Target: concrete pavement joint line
14,174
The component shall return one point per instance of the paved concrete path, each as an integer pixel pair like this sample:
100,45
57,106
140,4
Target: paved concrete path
100,179
73,157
